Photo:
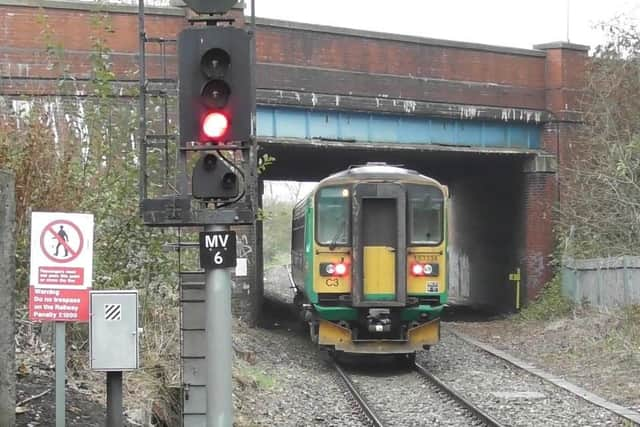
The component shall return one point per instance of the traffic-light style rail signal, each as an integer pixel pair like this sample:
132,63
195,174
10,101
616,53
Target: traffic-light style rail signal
214,179
214,86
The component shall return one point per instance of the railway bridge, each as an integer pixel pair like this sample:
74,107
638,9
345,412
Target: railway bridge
495,124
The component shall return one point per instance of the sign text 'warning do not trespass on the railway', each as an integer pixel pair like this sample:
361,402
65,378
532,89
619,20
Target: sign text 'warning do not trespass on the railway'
61,266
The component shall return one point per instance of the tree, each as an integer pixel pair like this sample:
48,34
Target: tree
600,214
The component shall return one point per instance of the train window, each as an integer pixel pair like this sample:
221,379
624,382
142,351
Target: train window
332,216
426,209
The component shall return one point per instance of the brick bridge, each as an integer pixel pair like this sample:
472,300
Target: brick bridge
495,124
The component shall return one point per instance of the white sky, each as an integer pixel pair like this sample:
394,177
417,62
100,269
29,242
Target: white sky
498,22
514,23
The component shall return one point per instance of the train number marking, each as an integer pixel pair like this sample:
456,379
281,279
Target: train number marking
332,282
432,286
427,258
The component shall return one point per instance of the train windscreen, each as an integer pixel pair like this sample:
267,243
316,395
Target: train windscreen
333,216
426,210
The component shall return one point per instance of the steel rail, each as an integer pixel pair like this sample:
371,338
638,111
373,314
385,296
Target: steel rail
478,413
358,397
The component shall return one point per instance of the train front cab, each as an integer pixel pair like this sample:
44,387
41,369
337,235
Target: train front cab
379,266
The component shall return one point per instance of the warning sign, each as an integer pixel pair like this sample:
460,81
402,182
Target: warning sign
60,244
61,266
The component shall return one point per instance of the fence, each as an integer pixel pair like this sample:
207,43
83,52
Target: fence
602,282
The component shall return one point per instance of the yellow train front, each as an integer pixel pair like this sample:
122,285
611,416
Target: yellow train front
369,260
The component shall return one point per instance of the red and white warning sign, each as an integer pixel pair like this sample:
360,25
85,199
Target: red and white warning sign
61,266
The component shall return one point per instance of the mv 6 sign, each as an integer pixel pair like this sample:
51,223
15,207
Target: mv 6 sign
217,249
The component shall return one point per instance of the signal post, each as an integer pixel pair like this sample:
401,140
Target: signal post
216,105
215,116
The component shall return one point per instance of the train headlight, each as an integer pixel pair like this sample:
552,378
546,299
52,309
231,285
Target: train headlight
429,269
330,269
334,269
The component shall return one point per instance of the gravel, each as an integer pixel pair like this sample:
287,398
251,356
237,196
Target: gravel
281,380
401,397
509,394
277,285
597,351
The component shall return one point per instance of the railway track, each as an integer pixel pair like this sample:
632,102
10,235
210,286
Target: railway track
480,415
438,404
359,400
627,414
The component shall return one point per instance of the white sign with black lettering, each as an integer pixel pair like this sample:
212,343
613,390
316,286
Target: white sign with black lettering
218,249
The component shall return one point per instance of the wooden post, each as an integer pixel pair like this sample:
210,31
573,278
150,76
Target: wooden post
7,299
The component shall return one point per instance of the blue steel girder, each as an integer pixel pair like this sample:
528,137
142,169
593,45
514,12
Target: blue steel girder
302,123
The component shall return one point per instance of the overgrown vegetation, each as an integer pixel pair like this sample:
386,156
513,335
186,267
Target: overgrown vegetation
599,214
80,155
551,304
277,223
600,210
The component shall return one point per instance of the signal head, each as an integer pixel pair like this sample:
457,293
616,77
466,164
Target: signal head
215,63
214,125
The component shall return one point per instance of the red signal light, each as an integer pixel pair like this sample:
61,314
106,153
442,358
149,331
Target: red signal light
340,269
417,270
215,125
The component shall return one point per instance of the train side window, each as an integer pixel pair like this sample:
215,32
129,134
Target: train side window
332,216
426,210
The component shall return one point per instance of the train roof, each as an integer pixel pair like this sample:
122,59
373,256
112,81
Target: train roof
370,171
379,170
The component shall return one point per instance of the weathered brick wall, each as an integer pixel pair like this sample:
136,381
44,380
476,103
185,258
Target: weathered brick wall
519,73
564,80
538,198
362,51
28,67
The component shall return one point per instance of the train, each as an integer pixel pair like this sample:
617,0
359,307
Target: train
369,260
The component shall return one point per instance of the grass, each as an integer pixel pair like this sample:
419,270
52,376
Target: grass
261,379
550,305
625,336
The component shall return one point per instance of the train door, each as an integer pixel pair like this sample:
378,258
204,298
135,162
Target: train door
379,245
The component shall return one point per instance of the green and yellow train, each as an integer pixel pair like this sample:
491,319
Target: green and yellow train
369,260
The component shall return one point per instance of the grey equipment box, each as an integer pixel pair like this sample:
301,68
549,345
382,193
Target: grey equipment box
113,336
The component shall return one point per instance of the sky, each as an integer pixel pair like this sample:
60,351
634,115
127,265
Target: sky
513,23
497,22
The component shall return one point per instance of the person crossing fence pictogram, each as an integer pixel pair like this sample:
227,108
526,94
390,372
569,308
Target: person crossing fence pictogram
62,235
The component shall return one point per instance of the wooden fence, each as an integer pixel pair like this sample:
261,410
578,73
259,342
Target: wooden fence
602,282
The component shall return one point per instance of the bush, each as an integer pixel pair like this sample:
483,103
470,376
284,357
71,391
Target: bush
551,304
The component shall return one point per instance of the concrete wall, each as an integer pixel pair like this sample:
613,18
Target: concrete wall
602,282
485,227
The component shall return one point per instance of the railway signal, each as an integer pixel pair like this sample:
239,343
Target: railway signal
214,179
214,87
